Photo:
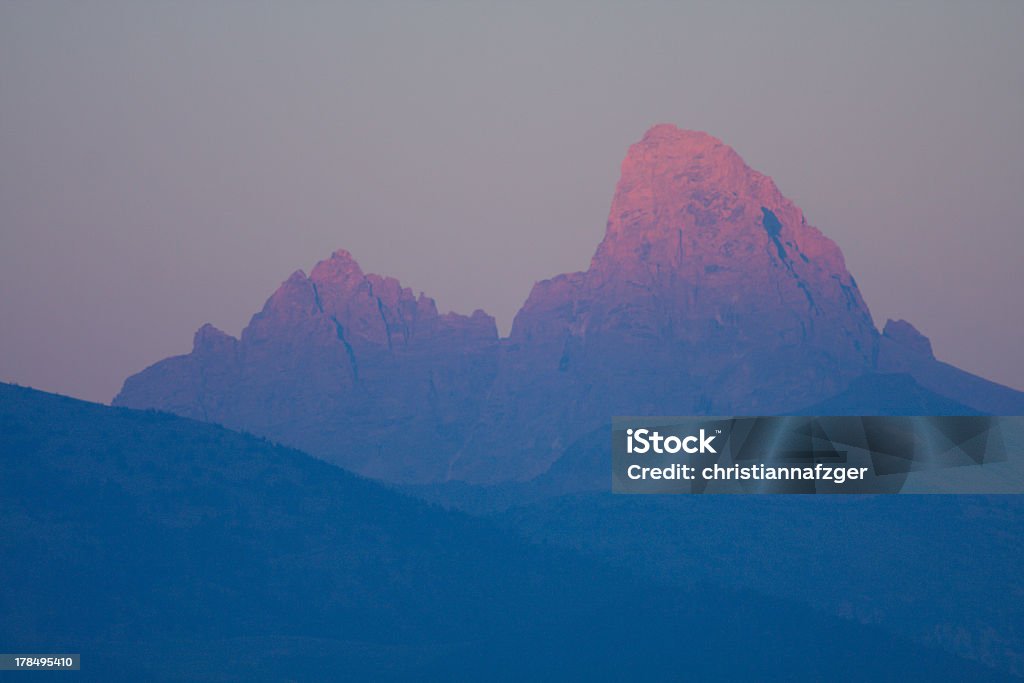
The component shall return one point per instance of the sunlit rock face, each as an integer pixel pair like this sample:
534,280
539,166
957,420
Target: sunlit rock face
710,293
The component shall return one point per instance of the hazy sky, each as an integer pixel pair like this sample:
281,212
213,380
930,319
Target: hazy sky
167,164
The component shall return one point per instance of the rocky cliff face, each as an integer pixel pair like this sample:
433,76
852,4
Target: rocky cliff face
702,252
709,294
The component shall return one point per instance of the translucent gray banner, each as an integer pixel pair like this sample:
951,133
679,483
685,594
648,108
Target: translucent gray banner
905,454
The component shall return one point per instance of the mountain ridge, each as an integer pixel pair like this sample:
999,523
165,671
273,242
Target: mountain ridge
710,293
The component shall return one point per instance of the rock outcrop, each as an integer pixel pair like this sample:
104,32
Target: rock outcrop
903,349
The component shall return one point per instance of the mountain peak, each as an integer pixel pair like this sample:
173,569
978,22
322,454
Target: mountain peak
687,200
708,270
341,267
208,335
670,134
668,147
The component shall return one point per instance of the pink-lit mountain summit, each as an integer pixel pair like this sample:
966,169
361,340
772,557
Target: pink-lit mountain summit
709,294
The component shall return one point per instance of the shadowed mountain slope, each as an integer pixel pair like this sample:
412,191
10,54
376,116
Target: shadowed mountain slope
165,549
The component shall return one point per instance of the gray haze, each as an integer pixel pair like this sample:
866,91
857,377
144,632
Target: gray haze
167,164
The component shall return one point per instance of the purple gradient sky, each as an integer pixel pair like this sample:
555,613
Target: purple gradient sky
164,165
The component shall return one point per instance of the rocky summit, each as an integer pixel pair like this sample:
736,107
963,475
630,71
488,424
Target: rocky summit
709,294
349,366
